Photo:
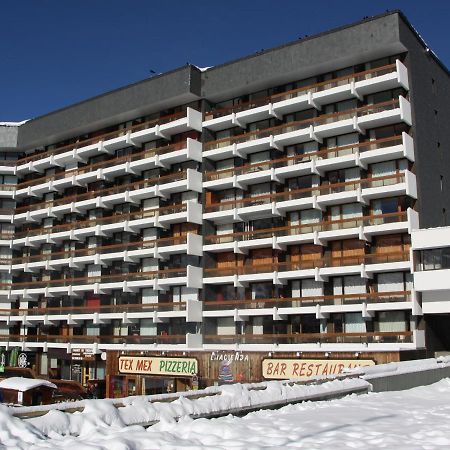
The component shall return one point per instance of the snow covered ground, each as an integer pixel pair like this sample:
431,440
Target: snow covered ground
414,419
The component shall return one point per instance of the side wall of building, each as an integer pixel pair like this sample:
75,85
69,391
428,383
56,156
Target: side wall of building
430,93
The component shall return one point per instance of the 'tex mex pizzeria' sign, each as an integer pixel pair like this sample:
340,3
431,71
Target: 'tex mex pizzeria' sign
152,365
282,369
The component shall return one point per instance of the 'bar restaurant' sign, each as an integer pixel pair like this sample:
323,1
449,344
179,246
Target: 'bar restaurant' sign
152,365
283,369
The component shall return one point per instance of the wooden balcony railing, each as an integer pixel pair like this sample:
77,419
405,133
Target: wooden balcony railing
113,134
100,250
307,157
102,309
315,87
160,181
292,230
312,338
292,302
83,339
323,261
8,162
149,153
143,214
302,124
324,189
114,278
7,187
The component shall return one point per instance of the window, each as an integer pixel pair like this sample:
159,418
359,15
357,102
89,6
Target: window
8,179
385,206
433,259
301,149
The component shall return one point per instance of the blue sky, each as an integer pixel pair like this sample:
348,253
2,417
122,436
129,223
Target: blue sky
57,52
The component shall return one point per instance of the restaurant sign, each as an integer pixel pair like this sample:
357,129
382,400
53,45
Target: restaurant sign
152,365
300,369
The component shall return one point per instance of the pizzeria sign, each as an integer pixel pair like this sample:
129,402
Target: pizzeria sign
149,365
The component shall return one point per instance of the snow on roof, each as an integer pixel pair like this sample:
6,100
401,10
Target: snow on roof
12,124
204,69
24,384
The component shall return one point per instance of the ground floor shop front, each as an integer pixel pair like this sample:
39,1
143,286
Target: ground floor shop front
146,373
117,374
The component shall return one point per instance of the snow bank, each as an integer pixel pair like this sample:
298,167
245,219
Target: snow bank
138,410
101,417
414,419
398,368
24,384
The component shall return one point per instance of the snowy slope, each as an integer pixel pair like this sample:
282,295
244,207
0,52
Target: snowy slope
412,419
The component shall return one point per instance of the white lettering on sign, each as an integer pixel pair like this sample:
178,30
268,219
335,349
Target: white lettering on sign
297,369
149,365
238,356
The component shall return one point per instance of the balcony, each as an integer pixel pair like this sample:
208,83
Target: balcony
354,155
312,96
191,311
354,120
102,343
313,338
189,211
163,186
317,197
190,244
7,191
319,233
8,166
324,266
133,163
190,277
280,306
320,342
163,127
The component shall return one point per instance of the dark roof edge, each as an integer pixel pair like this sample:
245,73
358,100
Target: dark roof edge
340,28
104,94
422,41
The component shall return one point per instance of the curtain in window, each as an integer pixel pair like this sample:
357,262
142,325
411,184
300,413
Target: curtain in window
148,328
350,211
392,321
354,323
389,282
311,288
149,296
354,285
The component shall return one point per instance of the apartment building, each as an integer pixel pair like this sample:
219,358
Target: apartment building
243,222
